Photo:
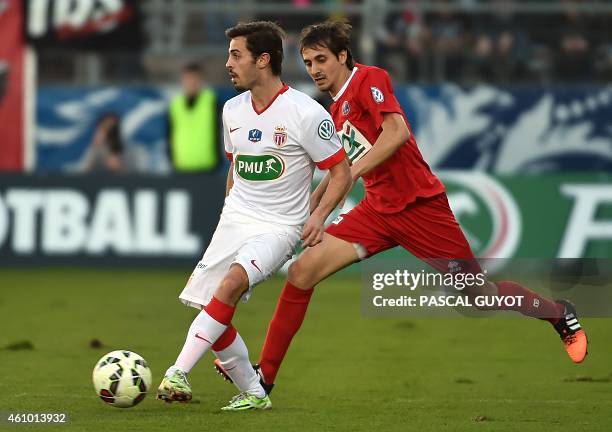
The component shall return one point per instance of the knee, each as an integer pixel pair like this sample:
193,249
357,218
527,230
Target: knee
301,275
232,287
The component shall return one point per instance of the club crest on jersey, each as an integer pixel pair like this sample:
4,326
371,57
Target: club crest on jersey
326,129
255,135
280,136
346,108
377,95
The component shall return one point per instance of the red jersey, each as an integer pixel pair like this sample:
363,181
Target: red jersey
357,112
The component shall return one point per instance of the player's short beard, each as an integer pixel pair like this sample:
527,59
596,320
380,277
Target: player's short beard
325,88
322,89
243,87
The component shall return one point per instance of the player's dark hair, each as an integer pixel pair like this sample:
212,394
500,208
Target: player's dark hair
262,37
193,67
334,35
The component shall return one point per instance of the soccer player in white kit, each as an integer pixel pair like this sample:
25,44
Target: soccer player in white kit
274,136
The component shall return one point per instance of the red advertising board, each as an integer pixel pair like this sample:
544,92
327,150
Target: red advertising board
12,56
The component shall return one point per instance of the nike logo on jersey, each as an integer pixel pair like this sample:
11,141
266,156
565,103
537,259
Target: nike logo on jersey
235,129
204,339
255,265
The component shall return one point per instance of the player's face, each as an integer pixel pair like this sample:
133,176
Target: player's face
325,69
241,65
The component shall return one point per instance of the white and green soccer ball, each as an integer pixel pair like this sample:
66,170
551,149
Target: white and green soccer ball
122,378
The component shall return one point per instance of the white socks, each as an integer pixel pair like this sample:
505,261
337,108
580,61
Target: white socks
173,369
235,361
233,354
203,332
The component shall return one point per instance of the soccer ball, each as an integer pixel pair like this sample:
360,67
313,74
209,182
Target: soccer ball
122,378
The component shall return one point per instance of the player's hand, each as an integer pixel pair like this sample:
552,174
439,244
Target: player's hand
312,234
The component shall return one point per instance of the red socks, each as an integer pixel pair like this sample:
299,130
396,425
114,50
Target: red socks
219,311
533,304
293,303
222,313
287,319
226,339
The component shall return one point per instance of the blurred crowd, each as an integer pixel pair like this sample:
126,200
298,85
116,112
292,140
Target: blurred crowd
499,45
463,41
498,41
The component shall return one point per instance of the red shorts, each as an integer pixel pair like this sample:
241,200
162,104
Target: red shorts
426,228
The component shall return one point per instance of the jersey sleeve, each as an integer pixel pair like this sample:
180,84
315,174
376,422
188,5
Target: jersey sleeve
320,140
227,142
376,96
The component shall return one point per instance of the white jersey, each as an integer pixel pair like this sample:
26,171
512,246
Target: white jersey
274,153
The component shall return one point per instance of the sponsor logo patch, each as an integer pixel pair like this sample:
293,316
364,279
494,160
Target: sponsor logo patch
326,129
259,167
354,142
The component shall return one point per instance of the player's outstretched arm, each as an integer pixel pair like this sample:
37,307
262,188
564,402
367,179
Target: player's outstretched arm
394,134
339,183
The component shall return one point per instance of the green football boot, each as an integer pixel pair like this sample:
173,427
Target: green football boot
247,401
175,387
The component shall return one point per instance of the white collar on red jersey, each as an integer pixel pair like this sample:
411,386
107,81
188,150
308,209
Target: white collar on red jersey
343,89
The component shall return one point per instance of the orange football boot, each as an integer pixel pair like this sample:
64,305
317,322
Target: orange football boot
572,335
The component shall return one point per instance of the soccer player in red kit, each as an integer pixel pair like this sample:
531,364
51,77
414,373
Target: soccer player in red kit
405,203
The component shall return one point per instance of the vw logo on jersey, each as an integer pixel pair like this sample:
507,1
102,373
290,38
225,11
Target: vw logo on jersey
255,135
345,108
326,129
377,95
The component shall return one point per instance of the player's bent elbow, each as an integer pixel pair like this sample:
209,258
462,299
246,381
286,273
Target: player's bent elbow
405,135
397,126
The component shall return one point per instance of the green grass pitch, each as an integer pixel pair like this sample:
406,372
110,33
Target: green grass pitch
343,371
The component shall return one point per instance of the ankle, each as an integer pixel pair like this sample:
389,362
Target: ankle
174,368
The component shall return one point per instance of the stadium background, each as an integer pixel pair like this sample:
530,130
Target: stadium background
510,102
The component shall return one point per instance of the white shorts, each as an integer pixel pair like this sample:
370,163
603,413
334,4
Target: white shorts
261,248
